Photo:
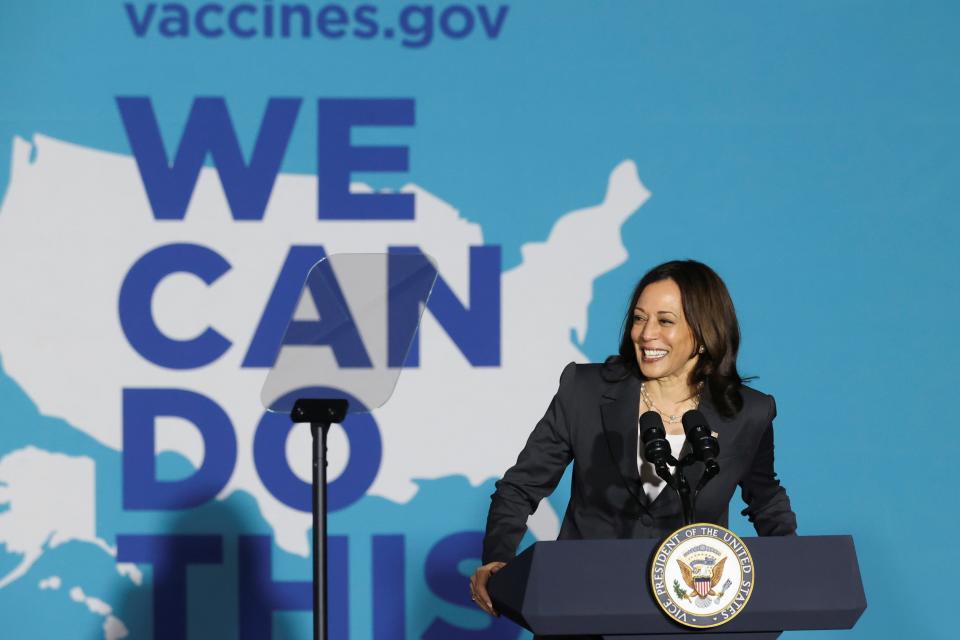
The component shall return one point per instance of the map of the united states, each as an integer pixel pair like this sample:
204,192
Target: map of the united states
74,219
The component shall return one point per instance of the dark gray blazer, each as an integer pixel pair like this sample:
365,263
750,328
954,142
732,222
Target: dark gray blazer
593,422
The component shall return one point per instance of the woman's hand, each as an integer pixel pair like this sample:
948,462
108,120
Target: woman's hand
478,586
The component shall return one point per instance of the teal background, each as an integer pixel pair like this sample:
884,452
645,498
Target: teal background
806,150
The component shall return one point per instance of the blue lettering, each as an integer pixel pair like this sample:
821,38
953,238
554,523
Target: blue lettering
335,328
364,15
475,331
176,22
389,602
299,10
416,22
139,24
136,312
337,158
169,556
208,129
366,452
200,20
141,489
493,26
423,26
447,583
268,20
233,20
410,277
331,19
447,21
261,595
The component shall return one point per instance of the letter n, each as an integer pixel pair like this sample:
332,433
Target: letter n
475,329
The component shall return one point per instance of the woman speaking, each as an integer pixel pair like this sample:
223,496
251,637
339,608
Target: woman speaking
678,352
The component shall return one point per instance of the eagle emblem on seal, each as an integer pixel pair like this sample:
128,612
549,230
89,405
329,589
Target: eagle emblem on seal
702,577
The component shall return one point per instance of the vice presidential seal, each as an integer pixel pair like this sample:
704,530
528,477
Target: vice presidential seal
702,575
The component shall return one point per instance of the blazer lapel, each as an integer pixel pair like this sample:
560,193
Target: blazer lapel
667,503
726,429
620,408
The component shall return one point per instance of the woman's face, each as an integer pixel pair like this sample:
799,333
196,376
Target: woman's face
662,338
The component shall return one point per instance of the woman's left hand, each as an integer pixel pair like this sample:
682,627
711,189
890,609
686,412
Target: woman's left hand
478,586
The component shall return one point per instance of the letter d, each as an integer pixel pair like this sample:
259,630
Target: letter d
141,489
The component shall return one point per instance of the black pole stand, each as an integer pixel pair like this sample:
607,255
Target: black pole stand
687,501
320,414
710,469
679,483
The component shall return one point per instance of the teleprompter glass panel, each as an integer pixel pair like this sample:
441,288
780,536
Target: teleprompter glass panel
355,320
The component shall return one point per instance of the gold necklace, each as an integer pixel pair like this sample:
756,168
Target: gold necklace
670,419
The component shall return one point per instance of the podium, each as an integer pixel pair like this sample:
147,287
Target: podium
602,587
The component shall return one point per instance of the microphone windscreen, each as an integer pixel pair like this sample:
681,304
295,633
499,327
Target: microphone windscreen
651,426
692,420
697,430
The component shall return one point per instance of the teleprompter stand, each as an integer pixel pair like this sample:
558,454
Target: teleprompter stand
342,352
320,414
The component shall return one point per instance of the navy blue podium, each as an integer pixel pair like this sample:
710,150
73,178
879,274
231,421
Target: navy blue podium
601,587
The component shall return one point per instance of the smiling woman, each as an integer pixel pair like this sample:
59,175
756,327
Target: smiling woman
681,334
664,346
678,352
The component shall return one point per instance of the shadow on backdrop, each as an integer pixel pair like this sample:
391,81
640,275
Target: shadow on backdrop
209,575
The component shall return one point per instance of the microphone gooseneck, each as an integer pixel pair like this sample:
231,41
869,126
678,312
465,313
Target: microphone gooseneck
704,445
656,450
704,448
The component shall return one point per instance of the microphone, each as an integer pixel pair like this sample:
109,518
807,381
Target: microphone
705,447
656,448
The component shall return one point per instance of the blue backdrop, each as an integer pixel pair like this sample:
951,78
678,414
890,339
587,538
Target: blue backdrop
807,151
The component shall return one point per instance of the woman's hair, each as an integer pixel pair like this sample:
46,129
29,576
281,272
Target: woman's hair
709,312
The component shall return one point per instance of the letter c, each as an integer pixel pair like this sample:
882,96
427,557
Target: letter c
136,306
233,19
200,20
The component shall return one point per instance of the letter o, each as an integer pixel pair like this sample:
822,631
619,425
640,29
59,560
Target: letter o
446,18
366,452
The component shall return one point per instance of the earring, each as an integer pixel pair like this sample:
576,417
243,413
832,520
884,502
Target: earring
701,349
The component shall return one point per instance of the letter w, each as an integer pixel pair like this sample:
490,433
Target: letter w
209,129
